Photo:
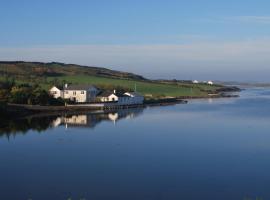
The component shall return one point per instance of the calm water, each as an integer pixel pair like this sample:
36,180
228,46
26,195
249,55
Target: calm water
208,149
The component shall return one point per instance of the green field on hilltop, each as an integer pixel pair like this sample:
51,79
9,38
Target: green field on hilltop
146,88
48,74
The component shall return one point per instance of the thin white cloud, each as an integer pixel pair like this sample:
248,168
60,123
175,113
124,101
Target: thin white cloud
250,19
247,19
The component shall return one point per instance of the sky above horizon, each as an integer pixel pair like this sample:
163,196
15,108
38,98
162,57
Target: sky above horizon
202,39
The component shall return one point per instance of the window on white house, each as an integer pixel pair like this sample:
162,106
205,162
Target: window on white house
82,92
74,93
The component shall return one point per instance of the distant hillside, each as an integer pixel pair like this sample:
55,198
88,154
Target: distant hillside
55,69
246,84
48,74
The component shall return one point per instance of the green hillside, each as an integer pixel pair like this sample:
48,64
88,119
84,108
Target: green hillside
55,69
49,74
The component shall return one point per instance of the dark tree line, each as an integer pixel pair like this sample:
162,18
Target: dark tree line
31,94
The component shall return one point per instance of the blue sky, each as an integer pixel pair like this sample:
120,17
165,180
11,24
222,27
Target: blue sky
203,39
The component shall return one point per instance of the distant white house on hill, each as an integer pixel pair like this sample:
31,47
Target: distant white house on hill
77,93
205,82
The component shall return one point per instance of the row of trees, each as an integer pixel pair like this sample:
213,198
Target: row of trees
33,94
10,92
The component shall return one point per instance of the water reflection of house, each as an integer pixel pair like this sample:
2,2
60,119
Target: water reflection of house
129,113
113,116
76,120
91,120
124,114
88,121
56,122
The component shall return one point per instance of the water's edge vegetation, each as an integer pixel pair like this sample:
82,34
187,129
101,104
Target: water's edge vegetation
24,87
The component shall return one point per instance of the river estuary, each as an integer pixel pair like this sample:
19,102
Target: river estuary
206,149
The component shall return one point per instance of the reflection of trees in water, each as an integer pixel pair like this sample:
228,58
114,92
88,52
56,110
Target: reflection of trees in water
21,126
39,124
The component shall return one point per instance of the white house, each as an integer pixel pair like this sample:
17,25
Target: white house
114,97
108,96
77,93
128,98
56,92
195,82
80,93
210,83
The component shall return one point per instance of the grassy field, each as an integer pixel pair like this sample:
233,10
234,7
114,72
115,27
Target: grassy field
49,74
146,88
143,87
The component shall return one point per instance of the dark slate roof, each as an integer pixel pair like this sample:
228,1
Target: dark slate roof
121,95
79,87
105,93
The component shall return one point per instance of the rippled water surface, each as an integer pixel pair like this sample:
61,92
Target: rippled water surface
207,149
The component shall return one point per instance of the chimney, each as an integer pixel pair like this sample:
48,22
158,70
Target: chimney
66,85
114,91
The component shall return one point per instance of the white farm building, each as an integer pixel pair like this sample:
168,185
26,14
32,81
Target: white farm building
90,94
77,93
210,83
128,98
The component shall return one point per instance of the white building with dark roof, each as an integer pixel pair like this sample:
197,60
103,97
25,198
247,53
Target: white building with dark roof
128,98
210,82
77,93
114,97
56,92
89,93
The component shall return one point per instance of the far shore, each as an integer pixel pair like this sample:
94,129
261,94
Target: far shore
23,110
16,111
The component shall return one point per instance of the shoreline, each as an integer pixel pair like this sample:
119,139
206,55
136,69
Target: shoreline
12,111
23,110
